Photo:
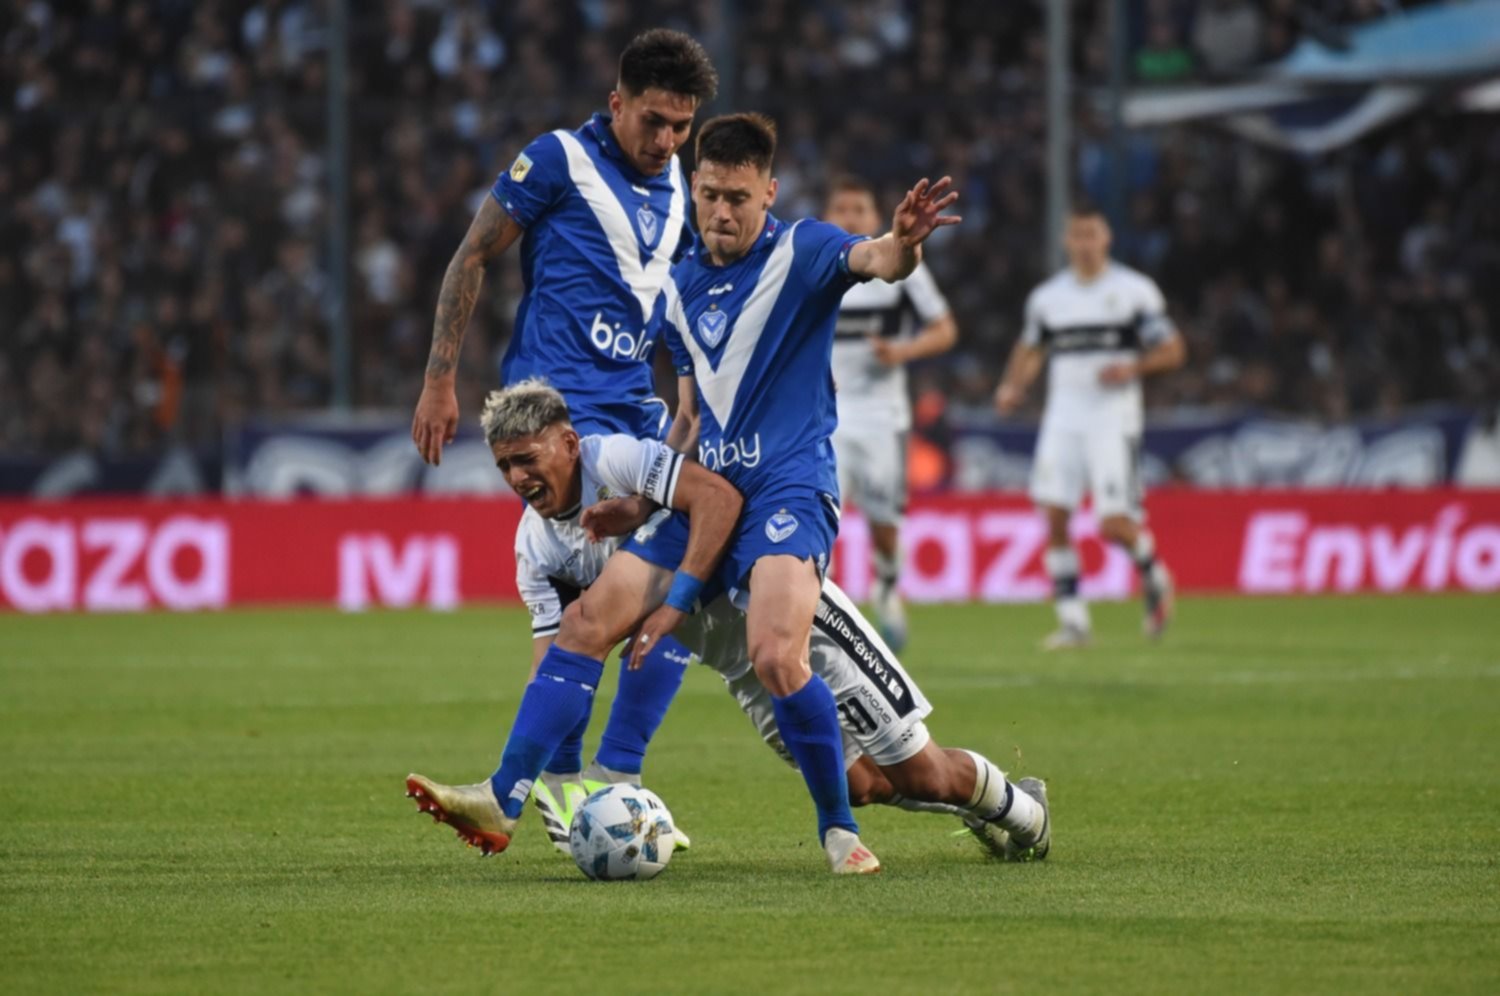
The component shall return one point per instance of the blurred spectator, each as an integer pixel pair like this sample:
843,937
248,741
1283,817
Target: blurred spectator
164,268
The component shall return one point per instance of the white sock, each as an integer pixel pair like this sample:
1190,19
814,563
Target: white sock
997,800
915,806
597,772
887,570
1145,547
1062,567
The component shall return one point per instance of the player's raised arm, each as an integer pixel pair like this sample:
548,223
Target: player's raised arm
896,254
435,422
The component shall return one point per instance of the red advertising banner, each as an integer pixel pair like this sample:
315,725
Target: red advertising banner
133,555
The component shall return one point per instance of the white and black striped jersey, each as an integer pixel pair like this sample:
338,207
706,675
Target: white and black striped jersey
1084,327
870,394
555,560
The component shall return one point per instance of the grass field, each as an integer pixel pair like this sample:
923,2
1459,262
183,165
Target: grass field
1285,796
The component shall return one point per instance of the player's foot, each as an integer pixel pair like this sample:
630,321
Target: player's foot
890,616
596,777
1067,637
1161,598
556,797
991,835
1032,846
471,810
846,855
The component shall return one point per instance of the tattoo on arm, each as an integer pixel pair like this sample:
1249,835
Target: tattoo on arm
490,234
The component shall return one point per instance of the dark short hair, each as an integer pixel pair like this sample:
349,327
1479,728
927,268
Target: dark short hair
738,140
849,183
668,60
1083,207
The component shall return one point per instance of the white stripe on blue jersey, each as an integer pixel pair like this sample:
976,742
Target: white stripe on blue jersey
756,335
599,239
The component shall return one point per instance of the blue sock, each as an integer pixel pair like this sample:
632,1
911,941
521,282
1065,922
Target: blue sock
640,705
558,697
809,727
568,758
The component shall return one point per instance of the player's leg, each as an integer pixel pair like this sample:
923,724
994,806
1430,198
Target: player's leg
1058,478
563,691
1064,568
783,598
882,710
1115,481
885,505
643,695
1008,818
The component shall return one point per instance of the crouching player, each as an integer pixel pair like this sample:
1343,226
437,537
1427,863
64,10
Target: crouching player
554,471
891,756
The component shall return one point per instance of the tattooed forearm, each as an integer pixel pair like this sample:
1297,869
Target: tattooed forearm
490,233
455,305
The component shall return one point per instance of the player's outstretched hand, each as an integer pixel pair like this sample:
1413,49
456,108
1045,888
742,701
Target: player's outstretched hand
920,212
616,517
658,624
436,421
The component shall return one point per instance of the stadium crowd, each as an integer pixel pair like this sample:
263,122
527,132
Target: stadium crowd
163,254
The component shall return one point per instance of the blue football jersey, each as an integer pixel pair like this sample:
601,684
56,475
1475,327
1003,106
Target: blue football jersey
757,336
600,237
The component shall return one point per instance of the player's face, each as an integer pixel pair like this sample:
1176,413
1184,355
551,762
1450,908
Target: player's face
542,469
732,202
854,212
1087,242
651,126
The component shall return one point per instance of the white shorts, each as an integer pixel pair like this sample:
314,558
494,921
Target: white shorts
880,708
1105,465
872,471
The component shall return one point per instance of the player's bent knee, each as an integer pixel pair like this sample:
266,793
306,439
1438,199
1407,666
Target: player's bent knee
782,674
1118,529
583,630
868,785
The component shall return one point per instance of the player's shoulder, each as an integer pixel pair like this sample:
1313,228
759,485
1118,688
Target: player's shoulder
542,153
1128,276
1058,284
806,231
534,538
607,445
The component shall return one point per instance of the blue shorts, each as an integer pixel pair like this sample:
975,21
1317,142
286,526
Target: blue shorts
796,522
647,419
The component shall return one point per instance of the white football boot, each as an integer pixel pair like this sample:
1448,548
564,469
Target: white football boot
846,855
471,810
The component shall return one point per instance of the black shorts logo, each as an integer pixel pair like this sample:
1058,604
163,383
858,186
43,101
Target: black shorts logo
836,624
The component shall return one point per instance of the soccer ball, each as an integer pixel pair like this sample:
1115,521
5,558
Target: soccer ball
621,832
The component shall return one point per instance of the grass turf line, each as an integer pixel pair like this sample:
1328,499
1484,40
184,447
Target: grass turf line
1285,794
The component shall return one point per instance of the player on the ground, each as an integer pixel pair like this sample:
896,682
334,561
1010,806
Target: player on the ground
1104,327
600,213
891,756
872,344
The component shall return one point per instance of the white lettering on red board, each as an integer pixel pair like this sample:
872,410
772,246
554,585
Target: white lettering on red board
372,571
1285,552
180,563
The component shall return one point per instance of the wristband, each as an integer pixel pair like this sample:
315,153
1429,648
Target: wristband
684,593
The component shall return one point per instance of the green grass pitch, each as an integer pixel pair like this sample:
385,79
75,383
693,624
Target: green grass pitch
1287,795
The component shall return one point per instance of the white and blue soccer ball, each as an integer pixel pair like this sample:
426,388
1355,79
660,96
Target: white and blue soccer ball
622,832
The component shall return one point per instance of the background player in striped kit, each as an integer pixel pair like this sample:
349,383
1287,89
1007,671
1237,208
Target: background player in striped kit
881,328
1104,327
